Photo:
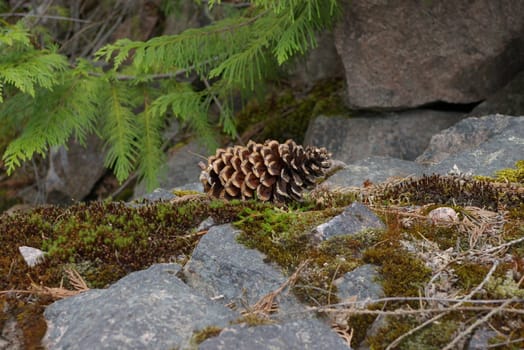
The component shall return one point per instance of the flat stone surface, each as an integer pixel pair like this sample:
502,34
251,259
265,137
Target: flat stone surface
354,219
375,169
149,309
180,169
480,338
467,135
403,135
227,271
300,335
362,283
499,152
159,194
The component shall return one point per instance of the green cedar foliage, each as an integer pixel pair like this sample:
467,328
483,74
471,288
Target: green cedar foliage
47,100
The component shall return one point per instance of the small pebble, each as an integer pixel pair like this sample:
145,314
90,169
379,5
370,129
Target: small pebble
443,215
32,256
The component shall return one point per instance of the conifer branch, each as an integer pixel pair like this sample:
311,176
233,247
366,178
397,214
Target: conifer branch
49,101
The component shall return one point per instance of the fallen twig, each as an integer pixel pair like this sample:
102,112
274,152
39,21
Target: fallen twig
455,306
475,324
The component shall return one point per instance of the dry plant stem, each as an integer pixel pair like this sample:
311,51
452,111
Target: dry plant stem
433,319
266,304
363,303
475,324
420,311
505,245
506,343
331,284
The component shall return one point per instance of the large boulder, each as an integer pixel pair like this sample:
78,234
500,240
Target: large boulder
296,335
149,309
224,269
471,132
509,100
411,53
478,146
401,135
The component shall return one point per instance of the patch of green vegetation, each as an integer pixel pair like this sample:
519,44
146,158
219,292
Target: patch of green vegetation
469,274
432,337
284,236
205,333
253,319
508,175
403,273
286,114
360,324
504,287
103,241
182,193
517,212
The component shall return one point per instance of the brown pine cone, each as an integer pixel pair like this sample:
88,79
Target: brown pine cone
271,171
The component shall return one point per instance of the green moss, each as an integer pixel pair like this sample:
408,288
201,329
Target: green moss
452,190
360,325
509,174
103,241
252,320
286,114
403,273
284,237
205,333
469,274
504,287
182,193
432,337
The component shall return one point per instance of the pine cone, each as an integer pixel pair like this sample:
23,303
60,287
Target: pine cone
269,172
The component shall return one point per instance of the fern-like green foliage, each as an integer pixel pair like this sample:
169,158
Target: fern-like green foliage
48,100
23,66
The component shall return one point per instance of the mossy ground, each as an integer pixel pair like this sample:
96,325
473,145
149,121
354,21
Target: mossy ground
285,114
104,241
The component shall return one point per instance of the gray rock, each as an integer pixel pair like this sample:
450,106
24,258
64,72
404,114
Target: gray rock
299,335
192,186
500,151
509,100
354,219
467,135
375,169
159,194
480,338
71,174
206,224
403,135
149,309
11,336
462,51
322,62
182,167
362,282
226,270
